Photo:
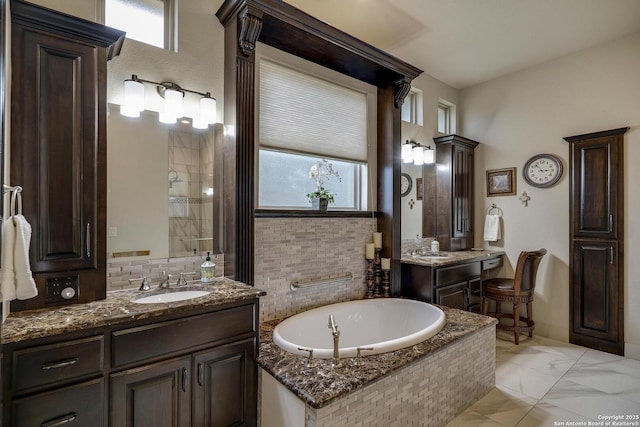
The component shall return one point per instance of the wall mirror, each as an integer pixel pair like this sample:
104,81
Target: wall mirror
164,185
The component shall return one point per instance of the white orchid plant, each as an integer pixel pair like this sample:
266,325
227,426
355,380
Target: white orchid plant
321,171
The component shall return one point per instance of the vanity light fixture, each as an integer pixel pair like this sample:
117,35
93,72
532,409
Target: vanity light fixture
173,96
413,152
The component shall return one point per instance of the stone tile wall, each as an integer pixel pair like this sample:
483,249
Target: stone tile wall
119,272
299,249
430,392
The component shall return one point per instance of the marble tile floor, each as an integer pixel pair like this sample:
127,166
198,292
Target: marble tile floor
543,382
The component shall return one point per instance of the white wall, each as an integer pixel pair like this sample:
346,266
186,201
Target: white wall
197,65
529,112
432,91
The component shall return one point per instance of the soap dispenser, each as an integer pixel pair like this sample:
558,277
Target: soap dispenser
435,246
207,270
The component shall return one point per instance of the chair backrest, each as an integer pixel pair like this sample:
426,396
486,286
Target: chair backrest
526,270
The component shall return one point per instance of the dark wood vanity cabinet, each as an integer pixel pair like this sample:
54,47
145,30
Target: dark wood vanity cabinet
198,370
596,270
58,151
451,198
457,286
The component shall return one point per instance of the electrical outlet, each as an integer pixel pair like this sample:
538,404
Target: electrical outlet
113,231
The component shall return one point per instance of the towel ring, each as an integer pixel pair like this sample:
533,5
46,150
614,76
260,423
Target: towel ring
16,199
491,208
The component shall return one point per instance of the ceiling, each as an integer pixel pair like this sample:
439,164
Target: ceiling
466,42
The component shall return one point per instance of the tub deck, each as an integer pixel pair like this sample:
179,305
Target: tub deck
322,385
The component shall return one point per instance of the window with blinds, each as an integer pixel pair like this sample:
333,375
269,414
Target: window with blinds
303,118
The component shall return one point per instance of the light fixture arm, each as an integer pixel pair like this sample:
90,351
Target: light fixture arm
161,87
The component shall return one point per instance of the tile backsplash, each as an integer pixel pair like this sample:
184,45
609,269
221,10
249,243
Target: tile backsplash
302,249
119,272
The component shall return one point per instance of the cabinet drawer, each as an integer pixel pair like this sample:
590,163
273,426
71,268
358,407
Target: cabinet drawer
79,405
454,296
457,273
492,263
57,363
166,338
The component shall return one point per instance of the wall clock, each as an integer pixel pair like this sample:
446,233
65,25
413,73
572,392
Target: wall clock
405,184
542,170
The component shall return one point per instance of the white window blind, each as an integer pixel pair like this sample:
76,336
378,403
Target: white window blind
306,114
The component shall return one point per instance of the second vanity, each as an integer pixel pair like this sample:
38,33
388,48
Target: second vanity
453,279
116,362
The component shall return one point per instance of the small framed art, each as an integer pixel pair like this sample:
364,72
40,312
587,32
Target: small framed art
419,189
501,182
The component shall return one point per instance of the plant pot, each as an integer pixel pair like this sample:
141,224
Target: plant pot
319,204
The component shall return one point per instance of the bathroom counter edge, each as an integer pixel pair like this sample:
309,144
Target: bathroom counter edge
456,257
117,308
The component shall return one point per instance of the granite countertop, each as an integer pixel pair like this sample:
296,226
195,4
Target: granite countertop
118,308
322,384
457,257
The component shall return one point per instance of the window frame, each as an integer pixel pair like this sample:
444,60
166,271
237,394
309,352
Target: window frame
170,29
449,110
414,100
367,202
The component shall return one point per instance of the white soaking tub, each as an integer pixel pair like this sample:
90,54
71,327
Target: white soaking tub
386,324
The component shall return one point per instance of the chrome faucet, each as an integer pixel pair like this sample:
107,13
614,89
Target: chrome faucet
336,338
165,282
182,281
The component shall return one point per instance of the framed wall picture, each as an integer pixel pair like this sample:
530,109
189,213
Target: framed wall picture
419,189
501,182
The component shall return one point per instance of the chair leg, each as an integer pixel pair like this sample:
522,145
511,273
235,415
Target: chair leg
498,308
530,317
485,305
516,322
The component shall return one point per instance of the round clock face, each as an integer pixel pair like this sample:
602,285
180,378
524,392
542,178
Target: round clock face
405,184
542,170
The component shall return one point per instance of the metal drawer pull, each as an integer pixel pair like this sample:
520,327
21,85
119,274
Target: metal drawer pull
200,374
60,364
88,240
60,421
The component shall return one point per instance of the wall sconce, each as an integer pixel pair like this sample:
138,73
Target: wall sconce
173,96
412,152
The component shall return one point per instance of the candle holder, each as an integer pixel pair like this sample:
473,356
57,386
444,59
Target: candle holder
386,283
370,279
377,288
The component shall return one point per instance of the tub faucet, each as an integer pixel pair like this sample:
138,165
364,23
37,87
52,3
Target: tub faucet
336,338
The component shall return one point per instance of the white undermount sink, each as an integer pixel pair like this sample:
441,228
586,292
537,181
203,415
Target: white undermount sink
171,296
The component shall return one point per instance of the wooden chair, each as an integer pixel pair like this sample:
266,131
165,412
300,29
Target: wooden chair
516,291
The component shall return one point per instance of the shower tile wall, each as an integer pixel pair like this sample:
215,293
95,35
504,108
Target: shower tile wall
298,249
190,207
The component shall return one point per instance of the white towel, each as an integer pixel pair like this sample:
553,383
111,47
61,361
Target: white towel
8,274
25,285
492,228
17,280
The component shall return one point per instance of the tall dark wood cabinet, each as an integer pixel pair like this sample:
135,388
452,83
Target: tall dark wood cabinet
596,301
58,148
448,212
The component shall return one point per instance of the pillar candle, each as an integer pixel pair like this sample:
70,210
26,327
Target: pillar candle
385,263
370,251
377,240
